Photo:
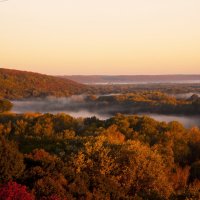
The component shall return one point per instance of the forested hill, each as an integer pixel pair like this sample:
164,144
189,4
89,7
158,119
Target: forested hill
16,84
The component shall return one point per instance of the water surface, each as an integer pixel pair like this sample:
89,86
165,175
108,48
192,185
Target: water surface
77,107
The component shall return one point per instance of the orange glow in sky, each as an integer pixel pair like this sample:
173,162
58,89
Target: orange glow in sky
101,37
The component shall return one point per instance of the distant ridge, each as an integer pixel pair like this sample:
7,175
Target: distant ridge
15,84
122,79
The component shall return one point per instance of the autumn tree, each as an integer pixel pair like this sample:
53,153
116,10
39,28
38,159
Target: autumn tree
11,161
14,191
143,173
195,171
43,174
5,105
96,164
113,135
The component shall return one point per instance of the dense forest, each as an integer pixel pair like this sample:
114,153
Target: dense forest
169,88
16,84
56,157
145,102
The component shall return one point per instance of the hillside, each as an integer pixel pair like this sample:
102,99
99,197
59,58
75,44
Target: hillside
102,79
16,84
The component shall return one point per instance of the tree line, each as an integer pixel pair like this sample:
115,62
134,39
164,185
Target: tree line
52,157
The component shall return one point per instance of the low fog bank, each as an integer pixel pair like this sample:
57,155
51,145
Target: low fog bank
185,95
187,121
73,104
49,104
78,106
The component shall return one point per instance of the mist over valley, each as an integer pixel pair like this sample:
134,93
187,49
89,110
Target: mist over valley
80,106
133,79
100,100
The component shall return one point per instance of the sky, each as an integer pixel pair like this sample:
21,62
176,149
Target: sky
107,37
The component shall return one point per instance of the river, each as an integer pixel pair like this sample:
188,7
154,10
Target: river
55,107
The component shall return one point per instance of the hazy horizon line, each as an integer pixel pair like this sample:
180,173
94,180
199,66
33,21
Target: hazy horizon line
130,75
167,74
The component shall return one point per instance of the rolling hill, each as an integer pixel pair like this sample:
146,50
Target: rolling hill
131,79
15,84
